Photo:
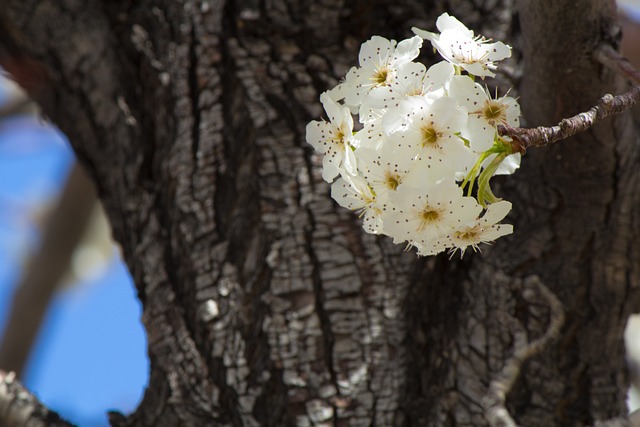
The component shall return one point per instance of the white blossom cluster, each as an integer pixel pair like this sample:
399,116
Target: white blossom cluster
418,167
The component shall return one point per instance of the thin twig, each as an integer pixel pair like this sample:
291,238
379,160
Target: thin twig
608,105
493,403
542,136
611,58
615,422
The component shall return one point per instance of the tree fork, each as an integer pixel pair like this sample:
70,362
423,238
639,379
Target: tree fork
264,303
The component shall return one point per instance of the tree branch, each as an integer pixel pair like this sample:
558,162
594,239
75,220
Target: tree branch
541,136
18,407
17,101
608,105
42,276
495,410
611,58
615,422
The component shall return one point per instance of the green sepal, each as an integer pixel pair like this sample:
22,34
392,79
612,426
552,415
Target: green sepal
485,195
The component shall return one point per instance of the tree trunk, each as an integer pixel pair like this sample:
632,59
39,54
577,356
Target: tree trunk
265,304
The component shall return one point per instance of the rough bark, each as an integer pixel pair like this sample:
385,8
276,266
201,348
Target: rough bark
265,304
19,408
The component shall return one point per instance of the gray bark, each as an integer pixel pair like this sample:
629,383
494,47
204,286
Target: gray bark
265,304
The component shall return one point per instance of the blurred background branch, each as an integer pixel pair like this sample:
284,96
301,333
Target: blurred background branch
63,231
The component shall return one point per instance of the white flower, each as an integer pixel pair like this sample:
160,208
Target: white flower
433,131
427,215
392,98
333,139
418,168
484,229
380,59
352,192
386,169
485,113
458,45
402,97
371,136
433,247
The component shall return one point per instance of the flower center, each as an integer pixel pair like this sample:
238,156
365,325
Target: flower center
430,135
338,137
470,235
428,216
470,52
392,180
494,111
415,90
381,77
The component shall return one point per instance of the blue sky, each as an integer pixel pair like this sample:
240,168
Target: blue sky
91,353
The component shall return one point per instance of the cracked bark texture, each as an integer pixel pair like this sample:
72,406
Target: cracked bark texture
265,304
